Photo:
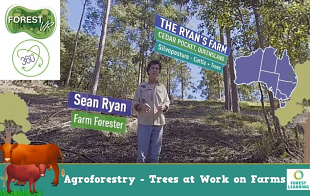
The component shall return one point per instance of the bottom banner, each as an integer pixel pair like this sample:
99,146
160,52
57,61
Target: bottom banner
172,179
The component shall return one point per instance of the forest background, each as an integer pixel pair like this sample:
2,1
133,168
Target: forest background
106,46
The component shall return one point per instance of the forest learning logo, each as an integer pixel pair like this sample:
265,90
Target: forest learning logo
298,179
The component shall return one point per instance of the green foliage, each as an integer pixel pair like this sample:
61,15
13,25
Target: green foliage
211,85
94,16
290,28
183,76
128,48
246,93
84,60
130,42
16,111
63,26
284,155
263,149
21,138
306,102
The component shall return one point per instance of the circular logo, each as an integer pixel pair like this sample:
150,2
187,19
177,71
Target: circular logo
30,58
298,175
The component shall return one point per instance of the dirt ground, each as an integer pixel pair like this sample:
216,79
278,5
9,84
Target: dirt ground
196,132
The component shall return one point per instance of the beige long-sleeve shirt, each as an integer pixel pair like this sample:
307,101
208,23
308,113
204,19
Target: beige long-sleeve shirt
154,95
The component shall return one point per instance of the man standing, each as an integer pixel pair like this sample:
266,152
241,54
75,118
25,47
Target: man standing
150,100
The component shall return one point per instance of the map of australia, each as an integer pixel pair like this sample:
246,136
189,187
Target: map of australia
264,66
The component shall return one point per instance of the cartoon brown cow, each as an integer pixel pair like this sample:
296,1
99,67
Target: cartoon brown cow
24,173
22,154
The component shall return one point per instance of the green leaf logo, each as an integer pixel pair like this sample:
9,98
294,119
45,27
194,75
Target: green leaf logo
39,24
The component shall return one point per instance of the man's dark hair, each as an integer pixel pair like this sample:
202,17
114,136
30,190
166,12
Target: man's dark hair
153,62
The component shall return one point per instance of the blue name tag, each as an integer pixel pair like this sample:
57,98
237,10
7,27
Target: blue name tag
97,103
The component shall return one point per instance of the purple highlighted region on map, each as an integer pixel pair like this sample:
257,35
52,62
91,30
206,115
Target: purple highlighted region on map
271,79
264,66
269,61
246,65
285,69
286,88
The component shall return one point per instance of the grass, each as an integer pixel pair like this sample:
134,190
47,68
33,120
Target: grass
247,103
191,107
226,119
259,126
20,192
59,92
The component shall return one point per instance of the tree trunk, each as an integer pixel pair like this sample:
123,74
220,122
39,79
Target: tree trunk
263,106
306,127
258,27
226,78
270,94
145,76
80,83
141,70
103,36
234,89
139,73
81,80
296,130
259,84
144,38
8,136
127,95
275,119
182,84
168,79
219,87
75,45
169,83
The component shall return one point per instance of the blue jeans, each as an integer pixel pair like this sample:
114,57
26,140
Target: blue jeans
149,143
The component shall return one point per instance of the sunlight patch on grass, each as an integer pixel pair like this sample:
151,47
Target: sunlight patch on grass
191,106
226,119
214,123
259,126
231,116
246,104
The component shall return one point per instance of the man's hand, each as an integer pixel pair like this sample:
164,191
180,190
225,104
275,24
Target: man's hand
161,108
145,107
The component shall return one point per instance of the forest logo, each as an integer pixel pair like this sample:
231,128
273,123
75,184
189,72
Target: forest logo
298,179
39,24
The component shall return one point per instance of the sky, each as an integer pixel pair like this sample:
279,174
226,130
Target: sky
75,9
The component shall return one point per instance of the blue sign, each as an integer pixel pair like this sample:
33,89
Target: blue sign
99,104
181,31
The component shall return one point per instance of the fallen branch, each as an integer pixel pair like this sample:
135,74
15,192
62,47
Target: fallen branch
62,125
